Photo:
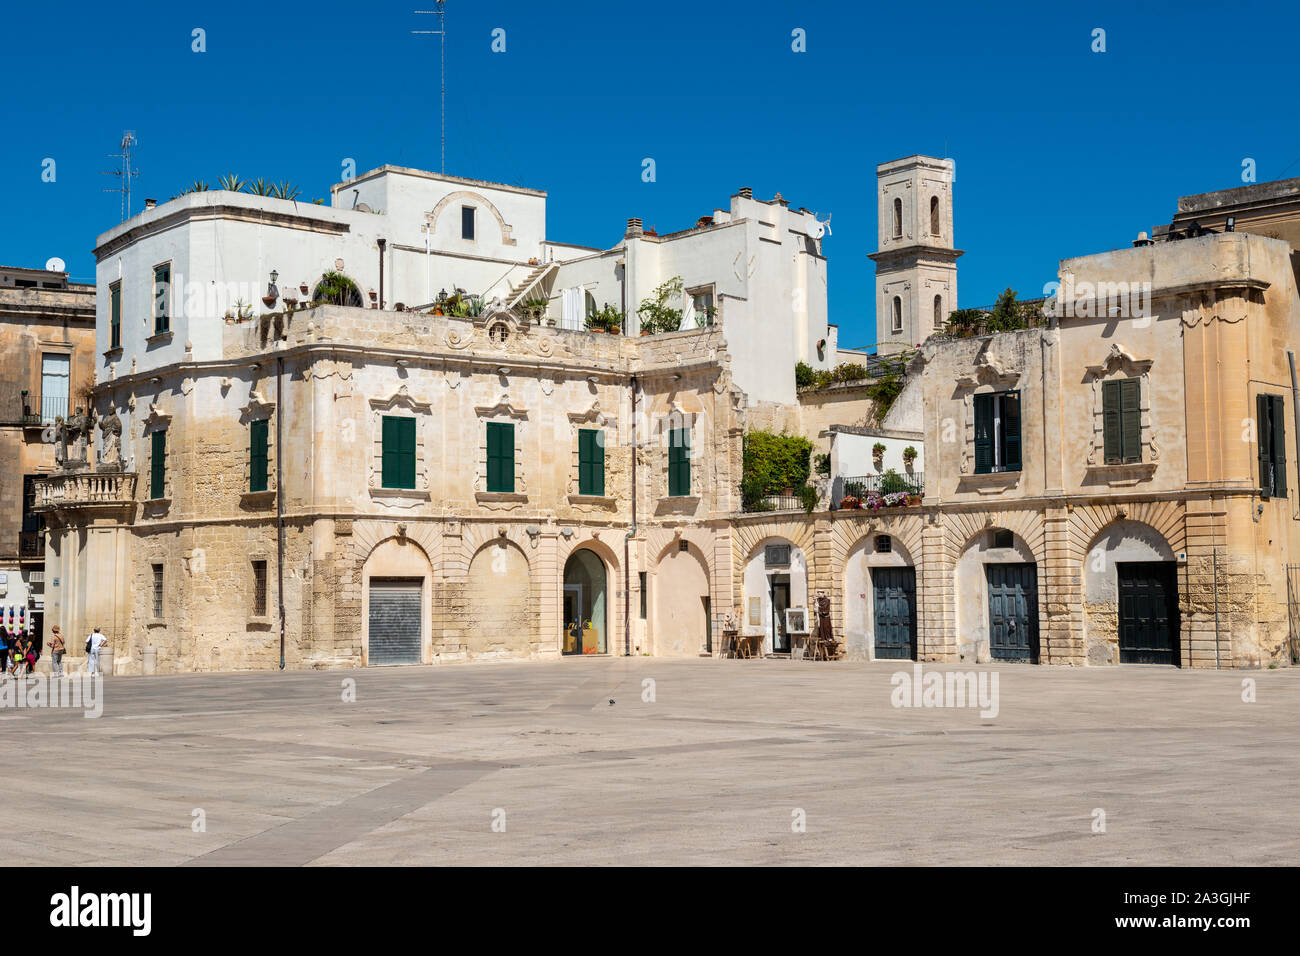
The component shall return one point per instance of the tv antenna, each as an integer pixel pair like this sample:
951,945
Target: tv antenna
125,172
441,33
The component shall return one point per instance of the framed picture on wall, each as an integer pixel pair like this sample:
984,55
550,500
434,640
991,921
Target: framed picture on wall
796,620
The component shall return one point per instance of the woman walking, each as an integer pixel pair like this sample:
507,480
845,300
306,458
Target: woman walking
57,648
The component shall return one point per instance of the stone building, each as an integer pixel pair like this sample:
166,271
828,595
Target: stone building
47,341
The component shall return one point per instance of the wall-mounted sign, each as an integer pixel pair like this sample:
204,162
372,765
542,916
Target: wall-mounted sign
4,578
755,612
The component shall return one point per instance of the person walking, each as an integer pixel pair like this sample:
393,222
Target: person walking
4,652
93,644
57,649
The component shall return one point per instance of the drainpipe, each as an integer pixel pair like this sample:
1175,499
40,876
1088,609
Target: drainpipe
1295,418
382,244
627,544
279,498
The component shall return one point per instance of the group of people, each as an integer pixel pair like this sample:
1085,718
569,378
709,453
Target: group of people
19,653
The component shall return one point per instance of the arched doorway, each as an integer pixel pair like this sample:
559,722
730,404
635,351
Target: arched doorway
776,580
997,599
585,610
1130,600
880,600
681,593
396,586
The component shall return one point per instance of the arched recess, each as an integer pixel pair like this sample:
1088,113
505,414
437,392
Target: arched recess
587,598
682,601
341,291
773,582
1136,546
894,572
499,619
396,586
1014,568
467,197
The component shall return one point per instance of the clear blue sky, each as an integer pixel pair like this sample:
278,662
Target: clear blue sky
1060,151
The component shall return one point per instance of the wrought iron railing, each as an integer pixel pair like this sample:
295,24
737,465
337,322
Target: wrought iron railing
911,483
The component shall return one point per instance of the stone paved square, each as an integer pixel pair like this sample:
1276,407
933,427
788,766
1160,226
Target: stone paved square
285,772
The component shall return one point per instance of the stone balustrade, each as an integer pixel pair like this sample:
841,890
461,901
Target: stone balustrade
81,490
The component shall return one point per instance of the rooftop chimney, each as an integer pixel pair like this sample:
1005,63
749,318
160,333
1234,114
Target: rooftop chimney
150,203
746,192
1142,240
634,227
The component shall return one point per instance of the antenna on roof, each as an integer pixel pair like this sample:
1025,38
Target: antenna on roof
440,32
125,172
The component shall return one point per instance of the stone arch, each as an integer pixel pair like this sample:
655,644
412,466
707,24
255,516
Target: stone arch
1120,540
398,557
465,195
970,585
499,618
757,584
355,299
614,585
681,586
964,528
857,588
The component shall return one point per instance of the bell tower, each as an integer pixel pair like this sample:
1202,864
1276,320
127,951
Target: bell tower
916,262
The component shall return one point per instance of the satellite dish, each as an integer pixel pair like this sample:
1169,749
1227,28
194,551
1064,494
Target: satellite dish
56,265
819,229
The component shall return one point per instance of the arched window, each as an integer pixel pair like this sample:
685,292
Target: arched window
898,314
898,218
590,305
938,312
934,215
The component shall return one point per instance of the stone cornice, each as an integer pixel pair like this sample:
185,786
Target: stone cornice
230,212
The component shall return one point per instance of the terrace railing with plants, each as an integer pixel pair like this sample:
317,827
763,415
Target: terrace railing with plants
890,483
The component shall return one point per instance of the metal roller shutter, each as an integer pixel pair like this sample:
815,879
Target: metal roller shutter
395,621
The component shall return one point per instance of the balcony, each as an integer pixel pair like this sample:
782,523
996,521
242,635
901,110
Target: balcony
31,544
912,483
84,491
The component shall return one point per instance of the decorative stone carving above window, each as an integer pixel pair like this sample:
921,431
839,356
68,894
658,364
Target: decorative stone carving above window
399,401
1120,363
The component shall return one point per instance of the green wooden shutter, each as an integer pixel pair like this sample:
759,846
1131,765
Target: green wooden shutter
1130,419
591,462
158,464
983,434
162,279
1112,437
1278,420
500,457
257,464
679,462
115,317
1264,435
398,452
1011,431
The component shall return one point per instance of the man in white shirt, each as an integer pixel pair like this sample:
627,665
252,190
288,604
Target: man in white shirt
96,641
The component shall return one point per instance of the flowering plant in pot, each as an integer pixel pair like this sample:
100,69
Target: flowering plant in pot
850,503
909,456
878,453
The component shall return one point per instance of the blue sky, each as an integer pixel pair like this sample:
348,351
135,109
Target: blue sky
1060,151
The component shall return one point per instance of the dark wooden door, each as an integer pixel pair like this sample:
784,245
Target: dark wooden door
1013,611
1148,612
894,593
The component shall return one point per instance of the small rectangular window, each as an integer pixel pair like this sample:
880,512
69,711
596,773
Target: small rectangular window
162,298
702,304
257,454
884,544
642,576
397,444
115,315
1003,539
157,592
259,589
500,457
467,222
776,556
158,464
591,461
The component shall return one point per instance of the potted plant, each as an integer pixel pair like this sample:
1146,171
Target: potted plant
851,503
268,300
909,456
302,287
878,453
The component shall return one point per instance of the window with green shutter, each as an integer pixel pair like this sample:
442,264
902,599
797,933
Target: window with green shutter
591,461
679,462
158,464
1121,414
115,316
162,284
500,457
257,446
1271,423
398,443
997,432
